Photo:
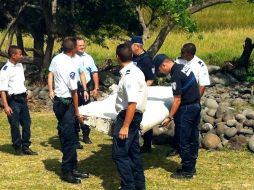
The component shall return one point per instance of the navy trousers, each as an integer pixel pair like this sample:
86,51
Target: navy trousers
20,116
67,134
187,135
85,128
126,154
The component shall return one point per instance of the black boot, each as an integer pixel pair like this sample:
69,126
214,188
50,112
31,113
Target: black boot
79,174
145,149
180,174
80,146
86,132
70,178
27,151
18,152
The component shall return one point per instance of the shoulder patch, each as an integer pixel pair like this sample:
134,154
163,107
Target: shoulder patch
5,67
201,63
128,72
72,75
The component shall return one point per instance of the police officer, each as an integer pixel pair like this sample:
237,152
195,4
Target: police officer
185,111
80,73
144,62
130,105
65,106
14,98
199,68
91,73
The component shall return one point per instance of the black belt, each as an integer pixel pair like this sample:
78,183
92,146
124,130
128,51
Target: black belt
22,95
188,104
66,101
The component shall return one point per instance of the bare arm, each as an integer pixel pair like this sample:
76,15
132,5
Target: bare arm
83,81
149,82
130,112
50,85
7,109
173,110
201,90
96,84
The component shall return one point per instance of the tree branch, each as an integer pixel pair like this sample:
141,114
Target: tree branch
142,22
155,47
206,4
13,22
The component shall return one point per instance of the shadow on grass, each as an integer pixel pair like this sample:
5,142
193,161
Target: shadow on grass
7,148
53,165
53,141
101,165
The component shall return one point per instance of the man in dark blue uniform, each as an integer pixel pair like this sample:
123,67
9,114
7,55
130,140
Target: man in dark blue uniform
145,63
185,111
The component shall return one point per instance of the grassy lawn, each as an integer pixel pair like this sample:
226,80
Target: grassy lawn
216,170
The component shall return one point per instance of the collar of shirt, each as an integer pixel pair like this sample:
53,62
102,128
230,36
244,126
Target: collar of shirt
173,69
11,64
123,70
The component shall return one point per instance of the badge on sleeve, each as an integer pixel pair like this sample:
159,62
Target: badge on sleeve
72,75
173,84
5,67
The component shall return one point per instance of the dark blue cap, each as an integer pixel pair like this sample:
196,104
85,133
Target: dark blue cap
158,60
136,40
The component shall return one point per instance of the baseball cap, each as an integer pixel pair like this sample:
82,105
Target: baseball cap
136,40
158,60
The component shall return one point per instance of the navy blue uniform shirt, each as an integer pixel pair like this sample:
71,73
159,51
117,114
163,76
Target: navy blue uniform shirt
145,63
184,83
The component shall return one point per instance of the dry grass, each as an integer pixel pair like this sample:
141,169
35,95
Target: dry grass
227,170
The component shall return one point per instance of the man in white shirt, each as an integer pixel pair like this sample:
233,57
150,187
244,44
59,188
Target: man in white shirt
65,106
130,105
199,68
197,65
92,77
14,98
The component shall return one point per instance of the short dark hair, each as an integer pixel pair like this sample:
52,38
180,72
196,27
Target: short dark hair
79,38
124,53
189,48
12,50
69,44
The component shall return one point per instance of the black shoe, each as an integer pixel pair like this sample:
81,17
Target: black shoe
80,146
194,171
182,175
70,178
18,152
79,174
28,151
172,152
144,149
87,140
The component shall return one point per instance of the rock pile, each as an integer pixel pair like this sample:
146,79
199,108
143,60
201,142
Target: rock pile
227,118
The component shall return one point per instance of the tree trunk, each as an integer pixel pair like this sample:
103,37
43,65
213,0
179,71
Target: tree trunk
48,54
155,47
20,42
10,39
245,57
146,32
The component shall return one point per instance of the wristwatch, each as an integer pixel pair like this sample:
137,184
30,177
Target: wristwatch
170,117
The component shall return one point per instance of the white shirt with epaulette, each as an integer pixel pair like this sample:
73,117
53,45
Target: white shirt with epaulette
12,78
65,78
131,88
199,68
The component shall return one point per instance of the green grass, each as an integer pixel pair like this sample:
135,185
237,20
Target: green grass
222,31
220,170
